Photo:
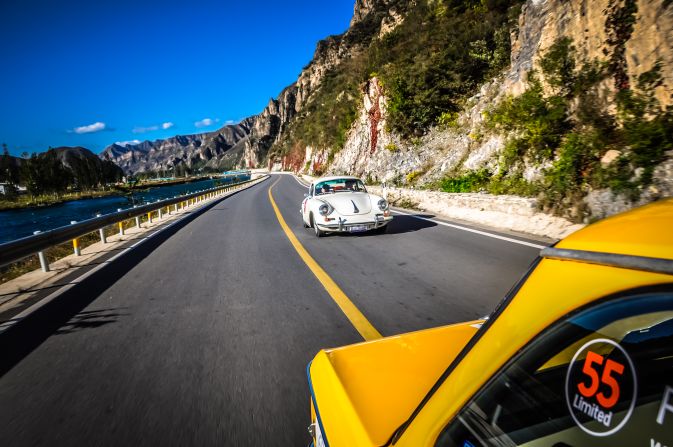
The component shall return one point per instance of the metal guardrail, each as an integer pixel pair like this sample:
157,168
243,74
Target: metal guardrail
21,248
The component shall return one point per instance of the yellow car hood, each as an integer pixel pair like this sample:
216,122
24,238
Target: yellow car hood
364,392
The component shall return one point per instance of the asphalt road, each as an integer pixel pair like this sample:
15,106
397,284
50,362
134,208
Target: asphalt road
202,336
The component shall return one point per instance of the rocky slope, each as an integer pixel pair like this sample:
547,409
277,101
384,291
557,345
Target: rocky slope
618,44
221,149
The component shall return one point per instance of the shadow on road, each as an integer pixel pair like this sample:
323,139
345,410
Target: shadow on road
64,314
407,224
91,319
400,224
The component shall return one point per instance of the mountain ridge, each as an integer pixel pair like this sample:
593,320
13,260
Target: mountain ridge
219,149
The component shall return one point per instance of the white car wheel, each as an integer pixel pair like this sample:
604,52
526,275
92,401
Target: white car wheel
318,232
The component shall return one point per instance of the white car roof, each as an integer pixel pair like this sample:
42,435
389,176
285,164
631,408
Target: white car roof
336,177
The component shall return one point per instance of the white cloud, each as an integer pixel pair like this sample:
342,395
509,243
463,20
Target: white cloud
139,129
164,126
206,122
91,128
229,122
126,143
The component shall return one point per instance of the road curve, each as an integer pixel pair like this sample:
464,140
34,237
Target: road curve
202,338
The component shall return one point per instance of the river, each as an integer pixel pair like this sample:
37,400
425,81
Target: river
15,224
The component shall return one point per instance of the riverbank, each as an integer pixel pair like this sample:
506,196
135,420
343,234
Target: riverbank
43,201
23,221
46,200
178,181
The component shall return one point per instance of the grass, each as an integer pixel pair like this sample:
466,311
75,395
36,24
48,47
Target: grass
472,181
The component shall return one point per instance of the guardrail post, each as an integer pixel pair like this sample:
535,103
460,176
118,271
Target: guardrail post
101,232
176,207
138,221
149,217
161,213
121,224
75,242
44,264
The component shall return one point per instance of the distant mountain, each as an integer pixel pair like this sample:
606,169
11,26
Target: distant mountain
221,149
58,169
87,169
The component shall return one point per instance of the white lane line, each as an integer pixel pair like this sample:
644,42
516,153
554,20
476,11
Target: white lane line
301,182
483,233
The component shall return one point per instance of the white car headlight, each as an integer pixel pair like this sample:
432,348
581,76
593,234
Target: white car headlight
383,204
324,209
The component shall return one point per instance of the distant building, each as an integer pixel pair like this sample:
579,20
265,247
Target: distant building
6,188
237,176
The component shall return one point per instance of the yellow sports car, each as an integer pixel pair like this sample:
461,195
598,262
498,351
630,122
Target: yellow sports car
579,353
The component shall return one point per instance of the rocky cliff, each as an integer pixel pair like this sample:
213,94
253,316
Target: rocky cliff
221,149
595,76
273,124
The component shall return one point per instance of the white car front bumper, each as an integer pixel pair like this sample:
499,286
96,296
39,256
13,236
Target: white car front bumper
350,223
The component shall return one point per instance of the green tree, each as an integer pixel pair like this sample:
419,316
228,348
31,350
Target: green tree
5,162
31,176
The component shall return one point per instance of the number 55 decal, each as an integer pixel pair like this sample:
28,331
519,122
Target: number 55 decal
601,389
592,360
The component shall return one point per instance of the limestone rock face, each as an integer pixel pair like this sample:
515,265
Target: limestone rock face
370,150
542,22
652,41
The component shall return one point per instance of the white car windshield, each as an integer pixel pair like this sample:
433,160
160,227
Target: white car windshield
339,185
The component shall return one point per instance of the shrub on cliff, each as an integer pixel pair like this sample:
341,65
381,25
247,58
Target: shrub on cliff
439,55
564,130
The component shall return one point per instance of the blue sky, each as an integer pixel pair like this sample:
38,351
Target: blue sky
91,73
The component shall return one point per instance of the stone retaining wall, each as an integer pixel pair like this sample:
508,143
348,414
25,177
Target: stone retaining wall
503,212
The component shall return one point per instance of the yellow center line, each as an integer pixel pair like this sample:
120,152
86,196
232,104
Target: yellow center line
357,319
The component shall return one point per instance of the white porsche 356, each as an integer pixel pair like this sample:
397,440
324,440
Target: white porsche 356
342,204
